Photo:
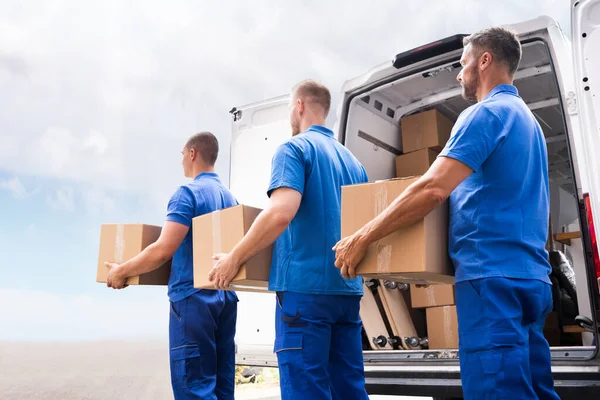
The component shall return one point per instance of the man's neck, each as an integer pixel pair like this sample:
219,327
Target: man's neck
486,87
310,122
201,169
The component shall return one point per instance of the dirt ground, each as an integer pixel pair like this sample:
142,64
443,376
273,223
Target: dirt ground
97,371
103,371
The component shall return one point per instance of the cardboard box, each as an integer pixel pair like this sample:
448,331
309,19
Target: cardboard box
121,242
415,163
423,296
428,129
442,328
220,232
416,314
416,254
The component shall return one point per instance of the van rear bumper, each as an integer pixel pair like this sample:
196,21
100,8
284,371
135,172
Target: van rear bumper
442,379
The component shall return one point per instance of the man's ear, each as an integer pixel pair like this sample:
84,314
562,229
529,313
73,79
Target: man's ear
485,60
300,105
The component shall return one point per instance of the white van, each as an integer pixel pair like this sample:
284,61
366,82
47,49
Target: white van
558,80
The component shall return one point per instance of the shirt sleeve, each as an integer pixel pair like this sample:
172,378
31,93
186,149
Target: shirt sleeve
365,175
287,168
474,139
181,207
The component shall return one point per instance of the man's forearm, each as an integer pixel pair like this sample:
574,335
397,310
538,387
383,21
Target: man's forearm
411,206
267,227
151,258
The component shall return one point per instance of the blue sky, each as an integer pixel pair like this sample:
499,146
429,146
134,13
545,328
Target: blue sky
98,98
47,223
49,242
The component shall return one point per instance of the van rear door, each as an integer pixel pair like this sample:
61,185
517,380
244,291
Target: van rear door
257,130
585,25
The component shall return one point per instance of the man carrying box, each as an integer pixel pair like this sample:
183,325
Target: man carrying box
494,171
317,327
201,322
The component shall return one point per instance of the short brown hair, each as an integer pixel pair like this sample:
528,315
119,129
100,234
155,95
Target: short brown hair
206,144
501,42
315,92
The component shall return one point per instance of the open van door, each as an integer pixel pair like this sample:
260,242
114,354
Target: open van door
585,21
257,130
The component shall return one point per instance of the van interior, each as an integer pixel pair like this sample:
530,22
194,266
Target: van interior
372,132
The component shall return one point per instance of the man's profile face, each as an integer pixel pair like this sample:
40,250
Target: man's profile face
294,116
186,162
469,75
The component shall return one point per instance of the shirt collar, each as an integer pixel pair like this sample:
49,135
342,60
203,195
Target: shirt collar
321,129
506,88
207,175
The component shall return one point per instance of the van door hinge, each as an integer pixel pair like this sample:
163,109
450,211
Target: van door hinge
572,103
236,114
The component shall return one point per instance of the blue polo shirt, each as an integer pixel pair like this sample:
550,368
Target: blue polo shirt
315,164
203,195
499,214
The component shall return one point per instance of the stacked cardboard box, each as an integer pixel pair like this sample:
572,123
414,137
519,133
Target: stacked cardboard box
415,163
426,296
416,254
442,323
442,327
424,135
428,129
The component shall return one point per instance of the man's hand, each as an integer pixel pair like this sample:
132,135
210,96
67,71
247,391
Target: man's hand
115,279
224,270
349,252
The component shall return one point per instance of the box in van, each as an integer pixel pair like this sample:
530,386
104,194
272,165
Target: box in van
442,328
428,129
424,296
415,163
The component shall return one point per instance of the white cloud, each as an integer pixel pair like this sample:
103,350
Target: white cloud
47,316
97,200
112,105
57,145
14,187
96,141
67,155
62,199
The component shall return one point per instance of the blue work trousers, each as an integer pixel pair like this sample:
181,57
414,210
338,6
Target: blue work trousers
502,349
319,347
201,339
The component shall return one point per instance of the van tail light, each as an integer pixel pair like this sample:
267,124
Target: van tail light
593,238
